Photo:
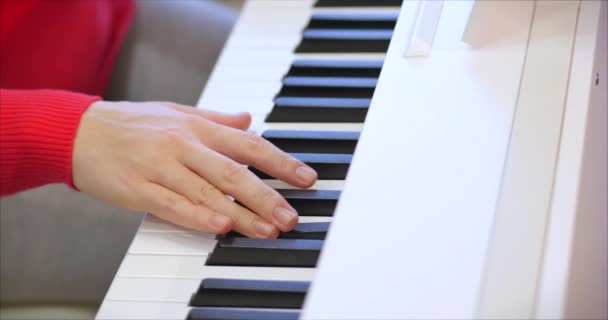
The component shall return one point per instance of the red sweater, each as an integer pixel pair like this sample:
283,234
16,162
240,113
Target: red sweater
68,46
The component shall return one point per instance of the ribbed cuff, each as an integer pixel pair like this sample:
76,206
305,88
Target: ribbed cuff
37,131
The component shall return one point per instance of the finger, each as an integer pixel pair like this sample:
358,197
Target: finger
252,149
237,181
240,121
201,193
174,208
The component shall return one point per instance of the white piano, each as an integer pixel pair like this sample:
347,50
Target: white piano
478,186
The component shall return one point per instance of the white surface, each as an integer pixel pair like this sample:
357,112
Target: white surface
423,32
579,204
516,247
433,147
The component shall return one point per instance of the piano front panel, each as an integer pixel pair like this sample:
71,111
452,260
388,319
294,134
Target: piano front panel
574,274
523,207
444,122
473,155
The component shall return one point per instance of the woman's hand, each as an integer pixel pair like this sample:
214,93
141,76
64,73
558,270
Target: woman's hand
180,164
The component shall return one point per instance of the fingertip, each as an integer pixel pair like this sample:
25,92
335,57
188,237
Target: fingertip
244,120
286,218
220,223
274,234
306,176
264,229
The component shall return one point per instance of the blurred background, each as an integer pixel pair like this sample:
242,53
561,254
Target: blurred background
59,250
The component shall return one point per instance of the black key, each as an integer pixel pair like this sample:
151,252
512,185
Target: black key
312,202
209,313
328,166
265,252
214,292
300,109
337,87
336,68
358,3
304,230
353,20
299,141
344,40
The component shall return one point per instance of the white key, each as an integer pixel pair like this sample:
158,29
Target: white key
319,185
187,243
152,289
180,289
261,127
193,267
130,310
163,266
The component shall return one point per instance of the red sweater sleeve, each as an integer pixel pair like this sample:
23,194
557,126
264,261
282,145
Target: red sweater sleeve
37,131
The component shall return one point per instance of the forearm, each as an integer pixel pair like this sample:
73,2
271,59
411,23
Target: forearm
37,130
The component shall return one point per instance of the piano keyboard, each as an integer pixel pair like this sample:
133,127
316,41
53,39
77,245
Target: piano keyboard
307,75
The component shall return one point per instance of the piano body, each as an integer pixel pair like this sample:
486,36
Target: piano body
477,189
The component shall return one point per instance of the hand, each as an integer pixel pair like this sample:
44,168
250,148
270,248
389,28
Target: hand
180,164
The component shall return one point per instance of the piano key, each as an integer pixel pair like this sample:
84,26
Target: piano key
304,109
301,109
266,252
328,87
193,267
312,202
344,41
153,224
319,185
359,82
311,230
137,310
214,292
181,290
152,289
358,3
189,243
327,165
325,126
297,141
209,313
350,20
262,41
316,203
335,68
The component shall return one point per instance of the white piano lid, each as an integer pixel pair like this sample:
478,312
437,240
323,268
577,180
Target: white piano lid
410,233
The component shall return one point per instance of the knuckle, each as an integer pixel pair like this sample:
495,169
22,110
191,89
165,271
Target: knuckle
193,121
206,194
285,162
250,223
233,172
255,143
270,197
169,204
172,137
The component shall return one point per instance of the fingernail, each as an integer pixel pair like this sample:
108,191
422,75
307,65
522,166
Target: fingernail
306,174
284,216
263,229
219,222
